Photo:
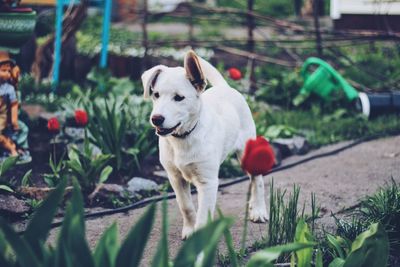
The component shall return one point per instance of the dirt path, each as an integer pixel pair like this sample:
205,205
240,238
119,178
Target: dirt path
339,181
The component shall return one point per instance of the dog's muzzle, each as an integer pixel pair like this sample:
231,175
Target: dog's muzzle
165,131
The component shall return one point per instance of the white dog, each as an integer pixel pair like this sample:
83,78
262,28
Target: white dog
197,130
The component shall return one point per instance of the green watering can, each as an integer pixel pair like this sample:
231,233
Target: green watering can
323,81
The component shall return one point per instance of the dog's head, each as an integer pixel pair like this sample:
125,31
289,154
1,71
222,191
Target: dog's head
175,93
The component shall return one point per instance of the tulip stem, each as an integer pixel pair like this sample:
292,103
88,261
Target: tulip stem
246,217
54,149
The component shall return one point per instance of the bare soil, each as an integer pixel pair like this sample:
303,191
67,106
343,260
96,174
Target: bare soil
339,181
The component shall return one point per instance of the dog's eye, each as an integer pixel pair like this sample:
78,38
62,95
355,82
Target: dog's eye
178,98
156,95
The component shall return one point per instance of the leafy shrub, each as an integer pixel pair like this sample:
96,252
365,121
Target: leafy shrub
58,170
370,248
282,87
89,169
384,207
121,41
320,129
122,130
375,65
108,128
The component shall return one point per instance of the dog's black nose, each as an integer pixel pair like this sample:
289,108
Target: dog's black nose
157,120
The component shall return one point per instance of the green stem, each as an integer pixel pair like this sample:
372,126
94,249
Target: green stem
54,149
246,217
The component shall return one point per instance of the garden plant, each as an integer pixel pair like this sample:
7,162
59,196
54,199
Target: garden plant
30,248
90,139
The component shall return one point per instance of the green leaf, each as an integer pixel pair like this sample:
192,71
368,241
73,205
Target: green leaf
78,246
7,164
77,203
229,244
39,226
131,250
25,256
161,258
338,262
5,251
336,245
73,154
105,173
205,241
318,259
267,256
107,248
77,167
6,188
280,131
303,235
25,179
72,249
370,249
49,180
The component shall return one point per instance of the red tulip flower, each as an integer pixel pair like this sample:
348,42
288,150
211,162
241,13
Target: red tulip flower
53,125
258,157
81,117
235,74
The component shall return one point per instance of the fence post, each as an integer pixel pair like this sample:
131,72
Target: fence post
57,43
317,30
250,43
106,33
191,25
145,42
297,7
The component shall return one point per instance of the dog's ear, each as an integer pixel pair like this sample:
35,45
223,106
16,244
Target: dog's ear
193,71
149,79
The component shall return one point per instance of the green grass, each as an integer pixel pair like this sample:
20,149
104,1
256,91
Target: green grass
350,228
323,129
283,216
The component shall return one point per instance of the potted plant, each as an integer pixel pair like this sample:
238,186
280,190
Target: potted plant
16,24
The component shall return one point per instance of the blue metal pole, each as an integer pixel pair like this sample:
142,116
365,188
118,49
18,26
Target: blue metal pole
57,44
106,33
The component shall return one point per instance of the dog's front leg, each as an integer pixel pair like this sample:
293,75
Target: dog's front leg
207,197
185,203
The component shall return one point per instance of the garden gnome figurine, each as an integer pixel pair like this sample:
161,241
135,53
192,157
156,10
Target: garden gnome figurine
9,74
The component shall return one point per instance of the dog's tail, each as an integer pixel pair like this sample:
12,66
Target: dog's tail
212,74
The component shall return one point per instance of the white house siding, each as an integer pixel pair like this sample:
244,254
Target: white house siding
364,7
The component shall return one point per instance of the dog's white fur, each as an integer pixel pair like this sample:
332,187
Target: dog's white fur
221,122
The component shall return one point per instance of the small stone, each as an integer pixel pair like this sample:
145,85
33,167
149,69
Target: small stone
296,145
75,133
137,184
113,188
391,155
161,173
106,190
11,204
301,144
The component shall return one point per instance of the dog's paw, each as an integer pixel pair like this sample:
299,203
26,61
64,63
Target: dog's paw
186,232
258,215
